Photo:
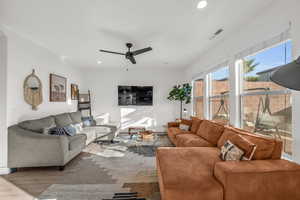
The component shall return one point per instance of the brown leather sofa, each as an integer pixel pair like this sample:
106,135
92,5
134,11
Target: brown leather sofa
193,169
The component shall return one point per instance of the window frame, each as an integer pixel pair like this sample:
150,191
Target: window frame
210,92
244,93
195,98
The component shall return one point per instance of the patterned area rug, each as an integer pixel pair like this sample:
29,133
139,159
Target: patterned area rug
98,172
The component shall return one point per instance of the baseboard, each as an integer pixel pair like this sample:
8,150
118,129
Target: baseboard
4,171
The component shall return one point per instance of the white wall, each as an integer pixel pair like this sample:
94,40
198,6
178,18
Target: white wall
3,103
103,84
23,56
273,21
18,56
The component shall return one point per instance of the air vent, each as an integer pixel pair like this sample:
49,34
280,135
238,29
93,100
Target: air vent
218,32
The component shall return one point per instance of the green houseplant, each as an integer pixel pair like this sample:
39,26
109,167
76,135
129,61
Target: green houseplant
181,93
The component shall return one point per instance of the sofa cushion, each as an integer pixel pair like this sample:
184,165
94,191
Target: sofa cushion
191,140
174,131
195,124
189,169
77,141
76,117
63,120
210,131
248,147
264,146
38,125
186,122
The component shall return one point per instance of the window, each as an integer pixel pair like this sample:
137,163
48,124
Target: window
199,98
266,106
218,100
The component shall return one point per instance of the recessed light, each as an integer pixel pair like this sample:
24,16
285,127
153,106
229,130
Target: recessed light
99,62
202,4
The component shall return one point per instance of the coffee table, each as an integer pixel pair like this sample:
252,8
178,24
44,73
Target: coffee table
135,130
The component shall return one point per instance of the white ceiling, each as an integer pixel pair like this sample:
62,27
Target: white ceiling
177,31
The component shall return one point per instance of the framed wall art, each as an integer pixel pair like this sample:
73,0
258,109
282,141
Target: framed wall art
58,88
74,92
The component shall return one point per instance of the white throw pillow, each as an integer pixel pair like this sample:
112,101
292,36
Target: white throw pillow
78,127
184,127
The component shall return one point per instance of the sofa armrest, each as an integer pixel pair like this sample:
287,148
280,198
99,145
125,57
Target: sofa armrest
173,124
260,180
30,149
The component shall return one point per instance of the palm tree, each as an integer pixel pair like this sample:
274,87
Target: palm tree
249,65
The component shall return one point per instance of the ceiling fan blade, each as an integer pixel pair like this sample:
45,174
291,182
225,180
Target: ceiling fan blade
105,51
137,52
132,59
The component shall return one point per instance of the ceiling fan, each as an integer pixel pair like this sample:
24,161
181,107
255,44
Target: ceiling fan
129,54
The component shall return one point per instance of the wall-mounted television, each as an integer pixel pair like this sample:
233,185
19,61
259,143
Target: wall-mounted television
135,95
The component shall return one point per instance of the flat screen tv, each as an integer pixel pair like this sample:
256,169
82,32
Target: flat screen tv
135,95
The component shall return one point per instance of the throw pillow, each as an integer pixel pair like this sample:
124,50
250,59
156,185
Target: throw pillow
47,130
57,131
231,152
239,140
70,131
78,127
195,124
184,127
87,121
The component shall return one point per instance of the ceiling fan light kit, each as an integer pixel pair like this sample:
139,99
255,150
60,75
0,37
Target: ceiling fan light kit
130,55
202,4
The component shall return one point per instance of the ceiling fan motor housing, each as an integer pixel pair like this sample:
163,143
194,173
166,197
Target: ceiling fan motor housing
129,45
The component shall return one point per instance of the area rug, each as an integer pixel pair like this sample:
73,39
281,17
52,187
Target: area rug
98,172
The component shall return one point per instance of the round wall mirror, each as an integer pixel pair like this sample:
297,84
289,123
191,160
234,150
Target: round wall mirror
33,90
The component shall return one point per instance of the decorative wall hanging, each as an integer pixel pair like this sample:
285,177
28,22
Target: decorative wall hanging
33,91
74,92
58,88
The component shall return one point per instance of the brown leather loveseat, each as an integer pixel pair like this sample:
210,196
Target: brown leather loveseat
193,169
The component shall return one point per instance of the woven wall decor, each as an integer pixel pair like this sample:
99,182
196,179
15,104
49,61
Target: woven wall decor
33,90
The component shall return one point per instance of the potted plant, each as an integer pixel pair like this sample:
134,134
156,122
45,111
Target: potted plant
181,93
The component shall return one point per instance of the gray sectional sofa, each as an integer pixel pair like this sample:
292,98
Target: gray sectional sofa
28,146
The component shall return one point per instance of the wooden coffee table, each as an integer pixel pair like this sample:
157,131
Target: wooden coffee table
147,135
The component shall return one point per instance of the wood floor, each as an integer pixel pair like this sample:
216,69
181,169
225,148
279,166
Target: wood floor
11,192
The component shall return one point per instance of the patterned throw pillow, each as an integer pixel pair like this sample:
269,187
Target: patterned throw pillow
70,131
231,152
184,127
57,131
